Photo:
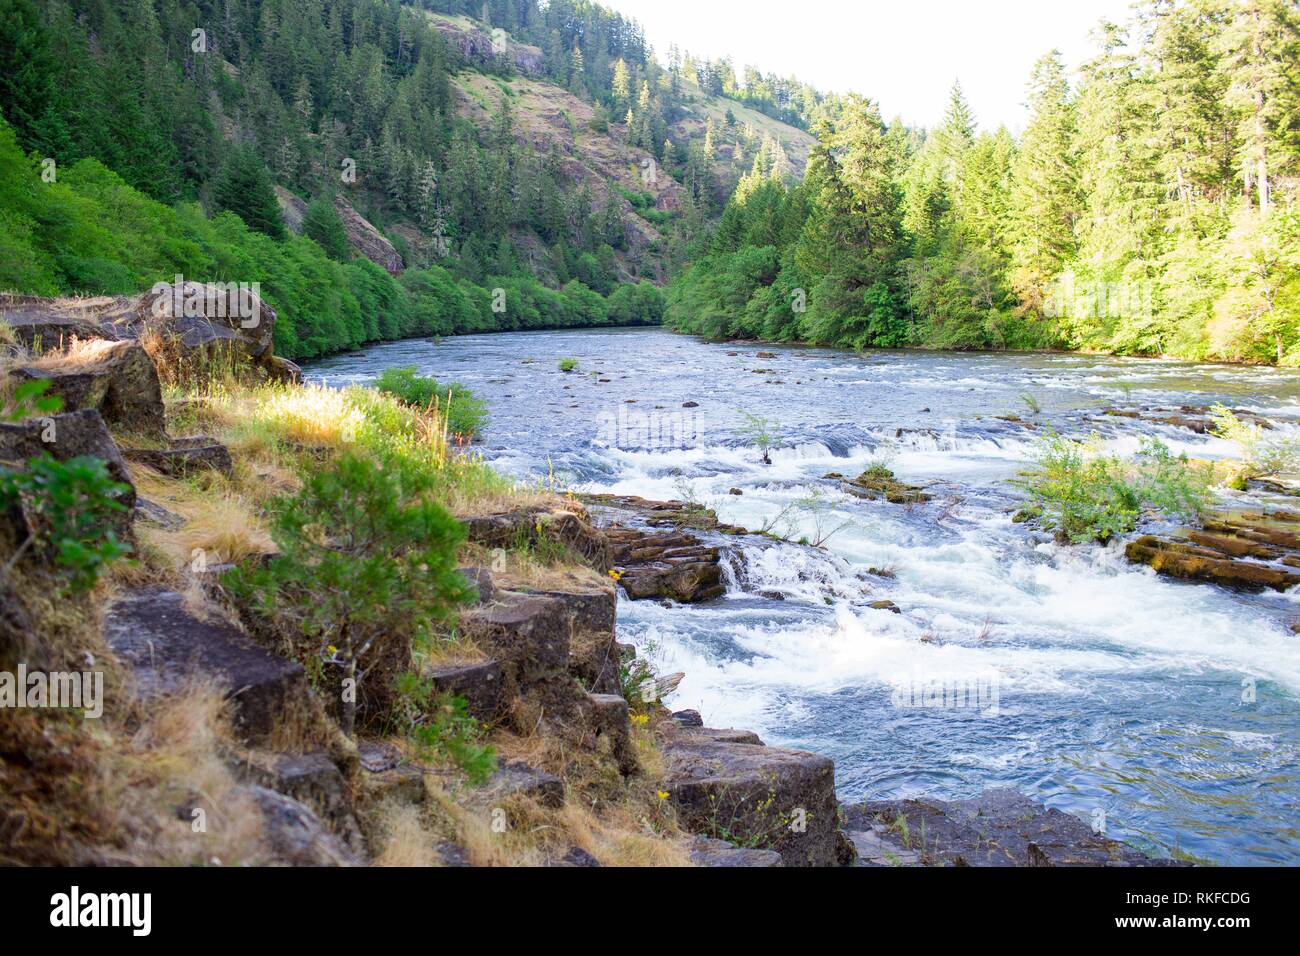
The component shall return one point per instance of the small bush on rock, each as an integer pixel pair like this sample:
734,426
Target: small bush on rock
1084,495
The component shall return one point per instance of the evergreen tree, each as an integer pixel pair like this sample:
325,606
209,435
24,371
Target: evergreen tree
244,188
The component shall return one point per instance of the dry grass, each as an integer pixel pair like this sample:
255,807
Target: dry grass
77,353
400,837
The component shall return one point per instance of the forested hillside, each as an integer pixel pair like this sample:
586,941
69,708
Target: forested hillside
1149,209
146,139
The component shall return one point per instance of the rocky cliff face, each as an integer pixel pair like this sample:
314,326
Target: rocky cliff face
365,240
483,46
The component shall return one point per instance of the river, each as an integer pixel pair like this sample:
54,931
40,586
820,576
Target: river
1167,713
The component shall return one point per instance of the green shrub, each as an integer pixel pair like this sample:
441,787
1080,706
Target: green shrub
440,726
70,506
1084,495
568,364
465,413
1264,454
367,568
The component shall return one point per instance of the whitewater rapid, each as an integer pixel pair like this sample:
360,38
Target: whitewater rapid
1170,710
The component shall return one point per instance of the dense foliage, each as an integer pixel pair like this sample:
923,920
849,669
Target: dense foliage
114,173
1154,209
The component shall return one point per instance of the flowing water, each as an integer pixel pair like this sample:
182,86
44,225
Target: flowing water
1167,712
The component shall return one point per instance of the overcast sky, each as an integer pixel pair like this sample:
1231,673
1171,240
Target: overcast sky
903,53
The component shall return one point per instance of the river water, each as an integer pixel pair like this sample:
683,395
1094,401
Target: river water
1167,713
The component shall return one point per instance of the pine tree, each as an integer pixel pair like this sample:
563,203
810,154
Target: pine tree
244,188
1044,199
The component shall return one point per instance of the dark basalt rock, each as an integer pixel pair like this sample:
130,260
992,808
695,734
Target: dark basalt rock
481,684
185,456
295,835
708,852
776,799
165,646
314,780
998,828
66,436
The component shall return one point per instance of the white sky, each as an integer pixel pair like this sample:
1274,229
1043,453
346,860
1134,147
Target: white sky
902,53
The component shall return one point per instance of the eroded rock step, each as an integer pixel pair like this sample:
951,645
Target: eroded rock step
167,647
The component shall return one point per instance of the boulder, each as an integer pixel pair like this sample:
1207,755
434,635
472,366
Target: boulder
117,378
166,646
205,317
294,835
665,564
185,456
706,851
998,828
315,781
480,683
279,369
768,797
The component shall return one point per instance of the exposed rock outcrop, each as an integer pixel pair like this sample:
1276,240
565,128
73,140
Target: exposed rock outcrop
66,436
185,456
314,780
656,550
1241,549
294,835
879,484
116,378
166,646
777,799
368,241
998,828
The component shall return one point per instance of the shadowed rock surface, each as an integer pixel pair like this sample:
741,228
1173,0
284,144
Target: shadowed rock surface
185,456
117,378
165,646
998,828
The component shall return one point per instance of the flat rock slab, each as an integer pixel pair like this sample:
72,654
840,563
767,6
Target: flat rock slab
517,779
709,852
765,797
185,456
998,828
166,647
